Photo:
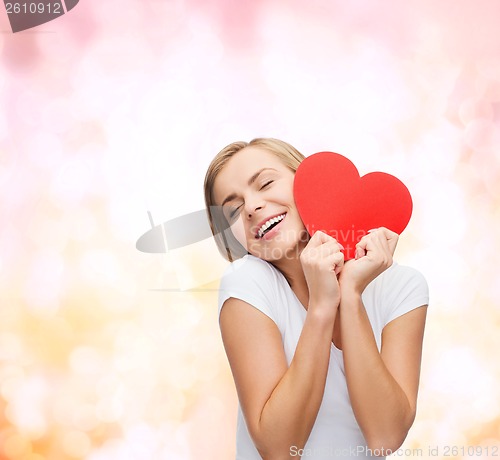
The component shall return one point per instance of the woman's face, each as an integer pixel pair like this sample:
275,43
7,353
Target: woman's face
255,190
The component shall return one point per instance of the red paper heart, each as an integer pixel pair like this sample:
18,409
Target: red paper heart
332,197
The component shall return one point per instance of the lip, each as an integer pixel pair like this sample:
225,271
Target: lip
256,228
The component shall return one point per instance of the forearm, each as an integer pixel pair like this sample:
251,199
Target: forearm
380,405
289,414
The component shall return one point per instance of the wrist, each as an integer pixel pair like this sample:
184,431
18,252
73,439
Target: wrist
351,293
323,311
350,288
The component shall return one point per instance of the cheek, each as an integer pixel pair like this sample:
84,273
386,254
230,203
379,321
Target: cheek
285,194
239,232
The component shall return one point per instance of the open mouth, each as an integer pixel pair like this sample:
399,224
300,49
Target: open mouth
269,225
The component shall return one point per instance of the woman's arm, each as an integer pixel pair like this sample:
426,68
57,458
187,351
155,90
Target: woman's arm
280,403
382,386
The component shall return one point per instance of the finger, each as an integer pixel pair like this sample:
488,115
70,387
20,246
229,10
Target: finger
327,244
387,238
321,246
360,252
319,238
326,250
368,243
361,247
377,246
338,259
385,231
392,238
334,262
380,241
333,245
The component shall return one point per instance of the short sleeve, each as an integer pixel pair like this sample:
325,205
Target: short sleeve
406,290
252,280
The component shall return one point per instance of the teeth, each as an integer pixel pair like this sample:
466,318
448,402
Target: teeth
268,224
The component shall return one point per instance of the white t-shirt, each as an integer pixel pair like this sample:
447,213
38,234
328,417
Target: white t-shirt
335,434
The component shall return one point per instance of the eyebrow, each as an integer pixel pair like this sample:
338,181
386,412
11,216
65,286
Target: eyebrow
252,179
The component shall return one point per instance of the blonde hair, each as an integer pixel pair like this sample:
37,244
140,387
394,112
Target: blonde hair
228,245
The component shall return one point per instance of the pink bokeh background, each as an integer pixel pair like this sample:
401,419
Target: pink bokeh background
117,108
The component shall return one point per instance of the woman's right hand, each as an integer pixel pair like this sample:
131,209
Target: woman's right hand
322,261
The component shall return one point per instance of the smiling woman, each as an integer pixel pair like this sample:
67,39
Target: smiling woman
281,155
325,355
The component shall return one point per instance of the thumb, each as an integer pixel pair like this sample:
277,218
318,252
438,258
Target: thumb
392,239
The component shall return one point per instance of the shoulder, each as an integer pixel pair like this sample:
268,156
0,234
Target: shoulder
248,269
254,281
400,275
400,289
246,263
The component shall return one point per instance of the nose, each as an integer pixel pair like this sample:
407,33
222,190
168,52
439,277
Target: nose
253,205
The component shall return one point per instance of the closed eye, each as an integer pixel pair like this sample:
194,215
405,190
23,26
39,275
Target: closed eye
266,184
236,209
233,213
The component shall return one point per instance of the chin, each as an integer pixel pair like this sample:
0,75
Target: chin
278,252
286,245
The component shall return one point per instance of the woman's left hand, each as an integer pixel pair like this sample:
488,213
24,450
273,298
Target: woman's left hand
373,255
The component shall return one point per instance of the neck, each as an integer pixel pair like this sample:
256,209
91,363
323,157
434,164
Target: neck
294,273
